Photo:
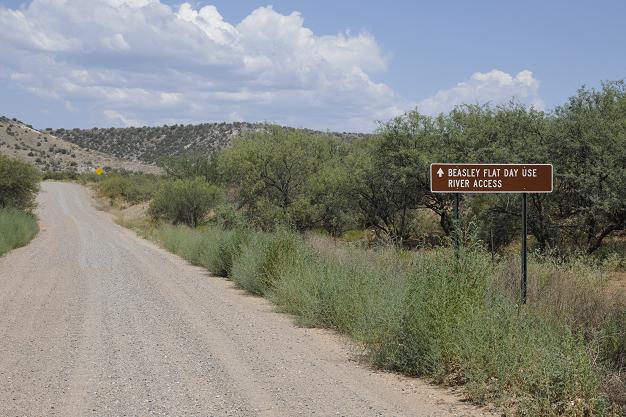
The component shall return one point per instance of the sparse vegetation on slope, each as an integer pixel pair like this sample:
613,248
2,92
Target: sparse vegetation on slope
151,144
51,154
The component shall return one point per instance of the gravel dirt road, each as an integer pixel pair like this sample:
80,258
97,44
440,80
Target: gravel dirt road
95,321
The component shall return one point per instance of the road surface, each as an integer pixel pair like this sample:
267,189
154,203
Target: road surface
95,321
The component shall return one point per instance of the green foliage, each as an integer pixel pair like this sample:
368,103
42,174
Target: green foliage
214,249
421,313
227,216
190,166
283,247
589,143
246,267
509,133
184,201
272,173
228,249
19,183
388,178
584,139
130,188
329,191
182,241
497,226
16,229
577,291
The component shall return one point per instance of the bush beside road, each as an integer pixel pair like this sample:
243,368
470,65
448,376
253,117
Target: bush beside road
16,229
19,183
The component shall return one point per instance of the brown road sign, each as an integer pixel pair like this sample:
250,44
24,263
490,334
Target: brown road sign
491,178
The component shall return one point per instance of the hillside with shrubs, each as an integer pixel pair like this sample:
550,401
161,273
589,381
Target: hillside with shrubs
53,155
151,144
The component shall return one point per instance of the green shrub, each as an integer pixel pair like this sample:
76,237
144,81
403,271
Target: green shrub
19,183
180,240
184,201
133,189
289,177
227,216
246,267
215,249
227,249
283,247
16,229
300,290
260,259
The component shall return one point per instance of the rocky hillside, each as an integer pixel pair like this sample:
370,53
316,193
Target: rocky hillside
50,153
150,144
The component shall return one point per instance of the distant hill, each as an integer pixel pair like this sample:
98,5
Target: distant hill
50,153
150,144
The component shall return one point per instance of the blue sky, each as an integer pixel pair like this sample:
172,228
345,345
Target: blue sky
333,65
436,44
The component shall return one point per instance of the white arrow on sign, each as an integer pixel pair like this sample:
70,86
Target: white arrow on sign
440,173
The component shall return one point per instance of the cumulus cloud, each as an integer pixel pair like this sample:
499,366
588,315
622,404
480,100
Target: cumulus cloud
121,120
494,87
131,62
141,61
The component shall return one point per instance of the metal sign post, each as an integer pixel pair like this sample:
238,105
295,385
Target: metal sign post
524,247
457,226
493,178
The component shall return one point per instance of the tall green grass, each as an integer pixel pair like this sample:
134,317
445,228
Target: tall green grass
16,229
419,313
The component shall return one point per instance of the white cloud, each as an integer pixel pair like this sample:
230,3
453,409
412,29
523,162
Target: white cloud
136,61
210,21
115,42
494,86
121,120
142,62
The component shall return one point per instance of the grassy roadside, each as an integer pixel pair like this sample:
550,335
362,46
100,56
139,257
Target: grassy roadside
16,229
419,314
19,184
